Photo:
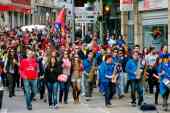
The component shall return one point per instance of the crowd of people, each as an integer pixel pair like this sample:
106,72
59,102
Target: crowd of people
48,63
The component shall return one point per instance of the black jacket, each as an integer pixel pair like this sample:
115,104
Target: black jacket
52,72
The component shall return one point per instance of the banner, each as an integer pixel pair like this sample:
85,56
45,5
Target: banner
126,5
153,4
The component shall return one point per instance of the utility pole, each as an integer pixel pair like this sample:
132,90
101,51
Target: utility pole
138,39
73,22
101,22
169,25
124,24
33,11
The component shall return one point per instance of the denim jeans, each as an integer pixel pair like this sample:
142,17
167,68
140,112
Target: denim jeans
165,99
136,86
1,98
64,90
110,91
120,86
84,83
52,93
11,84
41,87
30,89
88,86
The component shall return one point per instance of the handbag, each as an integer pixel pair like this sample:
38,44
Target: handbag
62,78
166,83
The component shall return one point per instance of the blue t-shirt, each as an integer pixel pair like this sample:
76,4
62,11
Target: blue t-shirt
87,65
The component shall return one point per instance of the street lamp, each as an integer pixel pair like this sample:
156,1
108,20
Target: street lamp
107,8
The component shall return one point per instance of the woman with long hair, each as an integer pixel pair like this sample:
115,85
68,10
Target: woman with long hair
52,72
64,85
11,67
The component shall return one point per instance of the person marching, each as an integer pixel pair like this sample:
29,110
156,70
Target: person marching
134,70
11,67
1,84
164,76
29,73
76,74
110,86
52,72
87,66
151,69
64,85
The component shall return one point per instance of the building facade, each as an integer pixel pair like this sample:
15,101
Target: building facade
15,13
42,11
153,22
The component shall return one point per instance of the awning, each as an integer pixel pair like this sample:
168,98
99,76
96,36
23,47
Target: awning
15,8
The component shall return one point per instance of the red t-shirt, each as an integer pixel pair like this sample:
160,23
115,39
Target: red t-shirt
28,69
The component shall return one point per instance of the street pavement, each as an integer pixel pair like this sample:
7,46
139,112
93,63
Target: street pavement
96,105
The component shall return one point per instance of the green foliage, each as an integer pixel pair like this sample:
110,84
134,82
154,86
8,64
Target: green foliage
108,2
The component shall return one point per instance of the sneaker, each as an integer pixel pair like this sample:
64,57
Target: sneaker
110,103
56,106
165,108
87,99
65,102
83,94
29,108
140,103
10,96
108,106
133,103
45,100
122,96
50,107
156,103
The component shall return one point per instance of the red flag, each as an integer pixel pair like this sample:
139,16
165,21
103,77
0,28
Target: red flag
60,17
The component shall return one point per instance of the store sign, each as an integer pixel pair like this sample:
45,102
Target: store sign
126,5
59,3
15,8
81,11
85,20
153,4
24,2
46,3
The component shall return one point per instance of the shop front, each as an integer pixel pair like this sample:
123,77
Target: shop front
154,23
15,13
155,28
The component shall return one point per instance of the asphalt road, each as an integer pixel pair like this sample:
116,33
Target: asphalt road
96,105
